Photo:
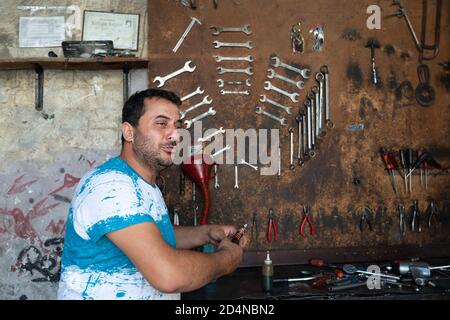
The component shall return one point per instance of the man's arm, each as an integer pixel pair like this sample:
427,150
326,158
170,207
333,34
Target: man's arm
174,270
192,237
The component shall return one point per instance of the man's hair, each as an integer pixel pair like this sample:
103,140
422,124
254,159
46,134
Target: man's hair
133,108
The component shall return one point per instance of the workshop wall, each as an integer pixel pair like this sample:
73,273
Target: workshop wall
347,172
42,158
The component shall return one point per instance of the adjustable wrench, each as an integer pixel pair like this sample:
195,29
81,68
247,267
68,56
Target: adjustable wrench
248,70
246,58
163,80
210,111
218,44
263,98
191,24
248,164
227,147
245,92
260,110
222,83
218,30
215,133
272,74
305,73
293,96
192,94
205,100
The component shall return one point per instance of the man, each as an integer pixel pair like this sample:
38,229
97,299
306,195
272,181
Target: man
120,243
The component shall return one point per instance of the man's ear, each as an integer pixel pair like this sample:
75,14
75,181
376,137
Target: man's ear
127,132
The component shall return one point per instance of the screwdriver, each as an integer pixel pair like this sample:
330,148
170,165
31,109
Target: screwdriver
390,164
403,163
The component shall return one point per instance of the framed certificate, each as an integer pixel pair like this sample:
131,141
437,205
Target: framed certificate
121,28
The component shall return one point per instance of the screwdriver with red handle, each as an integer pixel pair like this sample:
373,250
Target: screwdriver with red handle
391,165
320,263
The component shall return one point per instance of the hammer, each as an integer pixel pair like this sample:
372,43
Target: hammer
373,44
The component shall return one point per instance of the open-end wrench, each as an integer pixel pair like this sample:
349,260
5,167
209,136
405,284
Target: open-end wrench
328,122
210,136
246,58
191,24
222,83
248,164
218,30
244,93
291,159
218,44
248,70
272,74
236,178
186,68
205,100
227,147
293,96
192,94
260,110
263,98
210,111
305,73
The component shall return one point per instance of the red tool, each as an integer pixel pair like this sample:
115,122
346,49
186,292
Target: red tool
272,224
391,164
306,219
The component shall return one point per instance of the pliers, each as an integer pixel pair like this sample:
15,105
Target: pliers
272,224
306,219
365,219
432,211
416,217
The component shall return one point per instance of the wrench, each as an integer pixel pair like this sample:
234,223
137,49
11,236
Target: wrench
263,98
272,74
205,100
210,111
291,135
216,177
218,44
186,68
215,133
328,122
221,83
192,94
293,96
305,73
245,93
236,178
260,110
320,78
316,108
248,70
246,58
309,149
191,24
227,147
299,120
218,30
313,120
248,164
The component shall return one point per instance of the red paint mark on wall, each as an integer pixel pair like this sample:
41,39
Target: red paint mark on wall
69,182
19,187
58,227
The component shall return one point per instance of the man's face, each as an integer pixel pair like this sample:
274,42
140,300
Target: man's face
156,136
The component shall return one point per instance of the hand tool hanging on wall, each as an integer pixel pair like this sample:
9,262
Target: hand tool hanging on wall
366,219
272,225
416,217
390,167
306,220
402,219
189,27
218,30
432,211
318,38
373,44
186,68
425,94
297,39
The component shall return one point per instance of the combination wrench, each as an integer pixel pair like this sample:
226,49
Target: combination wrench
272,74
186,68
300,152
328,122
222,83
263,98
192,94
246,58
293,96
219,44
205,100
210,111
248,70
305,73
320,78
260,110
218,30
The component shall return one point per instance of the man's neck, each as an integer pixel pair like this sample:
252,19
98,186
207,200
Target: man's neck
144,171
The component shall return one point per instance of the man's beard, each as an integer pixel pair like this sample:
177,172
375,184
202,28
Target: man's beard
146,153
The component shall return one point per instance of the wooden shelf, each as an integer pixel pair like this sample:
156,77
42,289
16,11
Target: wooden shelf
107,63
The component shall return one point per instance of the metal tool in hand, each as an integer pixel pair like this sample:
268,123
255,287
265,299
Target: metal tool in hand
221,83
205,101
246,58
263,98
189,123
366,218
192,94
219,44
221,70
293,96
272,225
306,220
186,68
351,269
210,136
272,74
191,24
305,73
218,30
260,110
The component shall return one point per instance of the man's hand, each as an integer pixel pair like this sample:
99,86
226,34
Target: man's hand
216,233
235,252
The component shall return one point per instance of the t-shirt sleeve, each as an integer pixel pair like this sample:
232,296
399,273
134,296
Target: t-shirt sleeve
110,205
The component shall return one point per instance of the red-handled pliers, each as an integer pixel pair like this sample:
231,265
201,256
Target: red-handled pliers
306,219
272,224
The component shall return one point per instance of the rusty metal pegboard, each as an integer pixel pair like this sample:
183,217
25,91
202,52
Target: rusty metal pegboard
326,182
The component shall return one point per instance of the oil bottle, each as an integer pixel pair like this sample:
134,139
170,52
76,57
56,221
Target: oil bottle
267,274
